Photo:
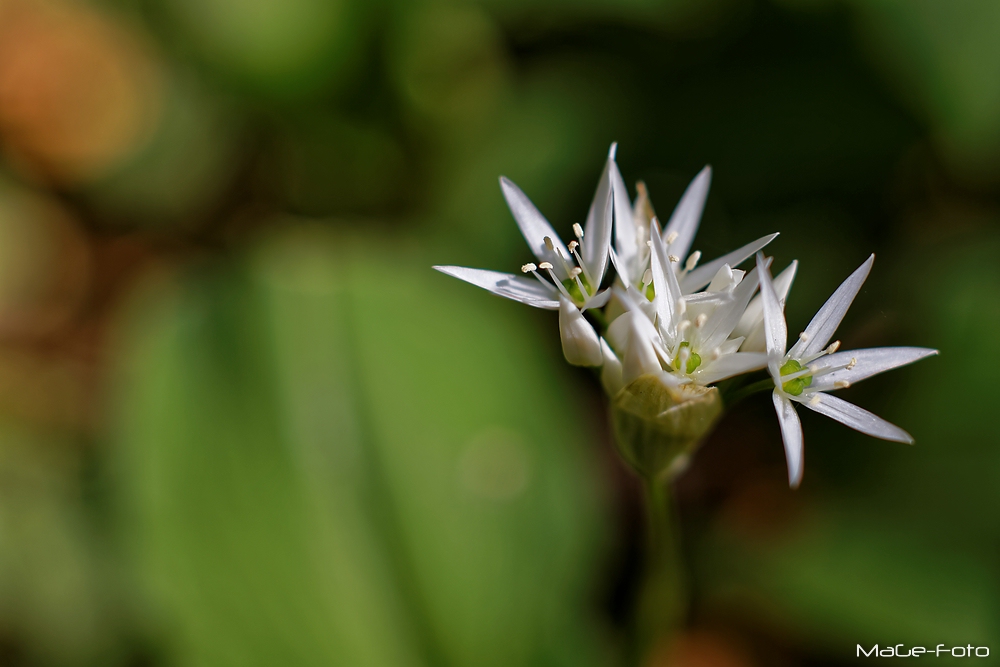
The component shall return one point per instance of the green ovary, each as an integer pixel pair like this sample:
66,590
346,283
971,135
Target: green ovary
694,359
574,289
796,386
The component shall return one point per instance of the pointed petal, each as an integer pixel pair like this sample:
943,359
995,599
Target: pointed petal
721,322
640,354
611,370
825,322
534,227
791,435
752,320
580,344
599,300
775,332
528,291
625,235
597,230
687,215
701,276
729,365
666,291
868,362
851,415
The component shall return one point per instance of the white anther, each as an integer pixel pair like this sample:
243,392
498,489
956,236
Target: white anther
815,400
682,306
700,320
545,266
814,369
804,337
841,384
575,271
853,362
647,277
549,244
673,258
528,268
715,353
671,237
693,260
833,347
683,326
572,245
578,230
649,244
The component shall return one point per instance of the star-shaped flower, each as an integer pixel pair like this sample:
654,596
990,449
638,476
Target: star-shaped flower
568,277
805,373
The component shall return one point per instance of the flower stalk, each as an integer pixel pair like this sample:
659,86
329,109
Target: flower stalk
662,604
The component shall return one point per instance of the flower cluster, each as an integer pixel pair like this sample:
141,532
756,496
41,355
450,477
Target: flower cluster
668,327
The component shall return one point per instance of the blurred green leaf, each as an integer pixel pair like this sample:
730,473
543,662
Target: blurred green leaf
56,602
339,455
842,578
944,59
275,48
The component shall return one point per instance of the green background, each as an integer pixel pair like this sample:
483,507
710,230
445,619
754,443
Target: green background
242,422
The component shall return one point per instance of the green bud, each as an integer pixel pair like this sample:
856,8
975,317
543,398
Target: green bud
657,427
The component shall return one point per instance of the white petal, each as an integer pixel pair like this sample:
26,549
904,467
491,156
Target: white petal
599,300
597,230
687,215
518,288
640,354
753,317
723,279
666,291
580,344
534,227
851,415
703,274
720,323
731,346
611,371
825,322
775,332
868,362
626,235
728,365
791,435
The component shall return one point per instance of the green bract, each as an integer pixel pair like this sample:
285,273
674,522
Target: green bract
658,427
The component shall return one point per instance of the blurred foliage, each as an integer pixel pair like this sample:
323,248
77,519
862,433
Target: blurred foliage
242,422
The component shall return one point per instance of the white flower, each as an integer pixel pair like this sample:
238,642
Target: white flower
631,254
811,368
683,338
567,278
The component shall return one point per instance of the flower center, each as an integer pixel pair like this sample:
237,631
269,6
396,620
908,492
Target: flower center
795,386
687,360
573,285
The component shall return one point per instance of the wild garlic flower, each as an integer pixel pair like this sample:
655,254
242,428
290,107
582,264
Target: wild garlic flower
670,328
567,277
805,373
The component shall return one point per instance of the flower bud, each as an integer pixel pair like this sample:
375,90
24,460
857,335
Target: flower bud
658,423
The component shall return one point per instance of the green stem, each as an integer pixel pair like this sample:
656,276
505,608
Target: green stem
662,601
